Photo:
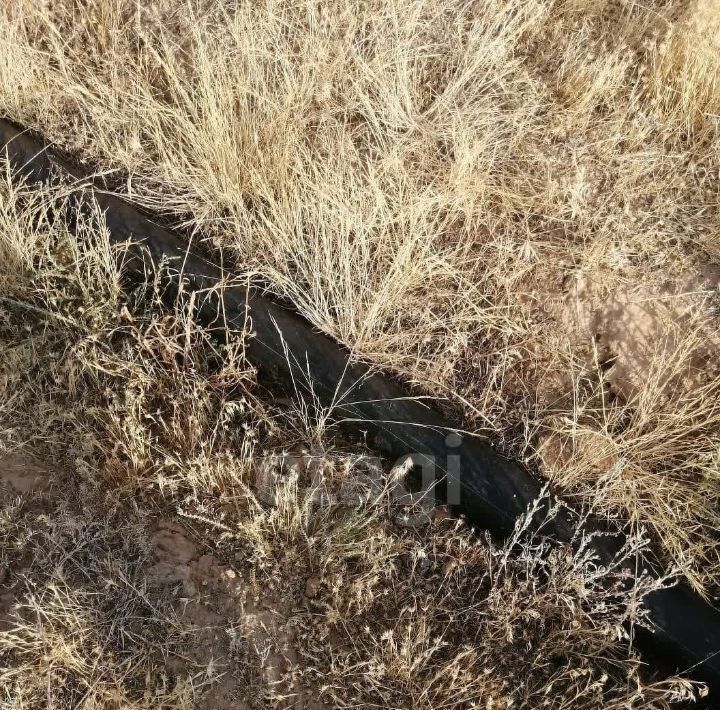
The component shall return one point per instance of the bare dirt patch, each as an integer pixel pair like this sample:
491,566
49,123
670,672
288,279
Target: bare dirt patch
231,616
236,645
22,473
628,330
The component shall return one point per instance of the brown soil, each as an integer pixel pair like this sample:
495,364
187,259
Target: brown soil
229,615
232,626
634,328
22,474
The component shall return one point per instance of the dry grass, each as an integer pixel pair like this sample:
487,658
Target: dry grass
469,194
654,456
424,181
301,592
84,630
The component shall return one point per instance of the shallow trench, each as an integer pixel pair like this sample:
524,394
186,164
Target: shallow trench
466,472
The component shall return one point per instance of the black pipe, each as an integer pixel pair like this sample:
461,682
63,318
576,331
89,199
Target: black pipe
488,489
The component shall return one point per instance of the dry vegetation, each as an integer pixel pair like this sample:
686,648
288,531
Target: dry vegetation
174,556
513,205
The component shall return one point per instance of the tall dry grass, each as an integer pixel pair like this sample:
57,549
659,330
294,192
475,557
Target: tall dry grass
421,179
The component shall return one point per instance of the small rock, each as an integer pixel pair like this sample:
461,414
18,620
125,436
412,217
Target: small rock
312,587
